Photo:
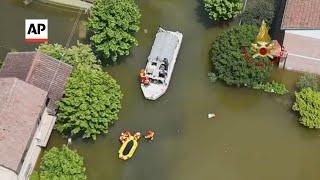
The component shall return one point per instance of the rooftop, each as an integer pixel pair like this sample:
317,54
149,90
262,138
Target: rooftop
21,105
40,70
301,14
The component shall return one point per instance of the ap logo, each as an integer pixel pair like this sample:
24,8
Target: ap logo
36,30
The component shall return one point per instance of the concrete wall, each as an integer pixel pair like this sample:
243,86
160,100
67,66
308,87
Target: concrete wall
7,174
39,140
303,47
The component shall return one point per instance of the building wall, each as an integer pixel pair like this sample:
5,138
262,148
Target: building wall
303,47
7,174
39,140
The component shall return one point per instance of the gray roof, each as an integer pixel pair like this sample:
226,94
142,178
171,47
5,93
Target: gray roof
164,45
21,105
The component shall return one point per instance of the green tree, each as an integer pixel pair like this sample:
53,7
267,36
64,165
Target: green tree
308,80
55,50
81,54
308,105
113,24
77,54
229,62
91,102
62,164
262,10
223,9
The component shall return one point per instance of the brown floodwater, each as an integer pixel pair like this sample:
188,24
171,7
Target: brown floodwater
254,136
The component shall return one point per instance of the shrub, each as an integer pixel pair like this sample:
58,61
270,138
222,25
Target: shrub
223,9
262,10
229,62
308,105
272,87
62,164
113,24
34,176
54,50
308,80
77,54
91,102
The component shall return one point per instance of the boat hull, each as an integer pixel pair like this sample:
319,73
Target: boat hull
154,91
132,150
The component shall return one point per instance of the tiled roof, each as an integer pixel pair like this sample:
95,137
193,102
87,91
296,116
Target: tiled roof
301,14
21,105
40,70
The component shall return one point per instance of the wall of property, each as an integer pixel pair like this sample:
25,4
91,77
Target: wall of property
303,47
39,140
7,174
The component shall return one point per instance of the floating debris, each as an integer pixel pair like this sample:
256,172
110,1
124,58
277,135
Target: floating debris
211,115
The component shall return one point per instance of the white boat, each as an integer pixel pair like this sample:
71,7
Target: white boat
155,78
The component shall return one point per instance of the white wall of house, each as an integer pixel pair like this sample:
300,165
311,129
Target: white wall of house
307,33
39,140
7,174
303,47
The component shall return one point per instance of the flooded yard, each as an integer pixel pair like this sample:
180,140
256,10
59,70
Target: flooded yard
255,135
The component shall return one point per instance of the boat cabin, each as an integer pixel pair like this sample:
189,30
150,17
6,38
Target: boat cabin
157,70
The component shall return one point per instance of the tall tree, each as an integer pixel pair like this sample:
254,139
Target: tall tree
91,103
62,164
223,9
113,24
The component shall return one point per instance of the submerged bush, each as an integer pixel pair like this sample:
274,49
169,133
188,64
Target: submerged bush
308,105
223,9
90,104
229,62
262,10
62,164
212,77
272,87
113,24
308,80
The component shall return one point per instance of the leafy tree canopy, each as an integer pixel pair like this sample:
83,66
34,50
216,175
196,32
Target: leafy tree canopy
91,102
262,10
61,164
113,24
223,9
55,50
229,62
77,54
308,105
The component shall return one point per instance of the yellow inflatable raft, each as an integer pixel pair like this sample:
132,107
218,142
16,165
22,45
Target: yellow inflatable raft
128,148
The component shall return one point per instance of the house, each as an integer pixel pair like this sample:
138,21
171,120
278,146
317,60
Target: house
30,85
301,24
25,127
40,70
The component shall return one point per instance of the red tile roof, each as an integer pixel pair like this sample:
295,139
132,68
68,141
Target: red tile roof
40,70
21,105
301,14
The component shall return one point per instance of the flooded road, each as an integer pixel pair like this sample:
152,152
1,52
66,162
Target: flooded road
254,136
